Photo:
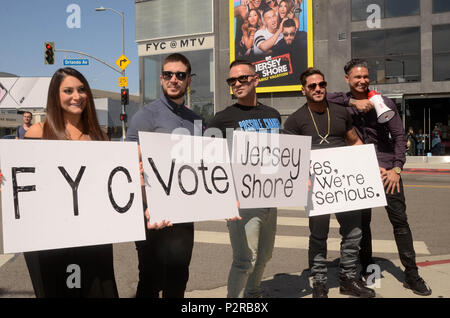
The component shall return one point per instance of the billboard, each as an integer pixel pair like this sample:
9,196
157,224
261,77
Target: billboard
276,36
24,92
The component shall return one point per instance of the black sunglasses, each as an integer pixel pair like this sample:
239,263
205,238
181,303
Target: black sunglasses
290,33
242,79
322,84
167,75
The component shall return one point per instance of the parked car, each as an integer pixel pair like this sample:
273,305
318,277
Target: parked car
9,137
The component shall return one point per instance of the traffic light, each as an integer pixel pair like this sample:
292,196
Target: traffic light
49,52
124,96
123,117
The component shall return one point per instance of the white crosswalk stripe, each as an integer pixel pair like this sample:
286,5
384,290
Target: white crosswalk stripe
301,242
5,258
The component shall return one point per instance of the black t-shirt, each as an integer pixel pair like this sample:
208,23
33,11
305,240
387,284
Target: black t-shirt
301,123
247,118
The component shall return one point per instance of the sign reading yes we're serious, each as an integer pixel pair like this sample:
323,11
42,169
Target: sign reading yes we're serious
344,179
188,178
270,169
58,194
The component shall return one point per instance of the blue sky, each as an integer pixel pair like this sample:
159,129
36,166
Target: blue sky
26,24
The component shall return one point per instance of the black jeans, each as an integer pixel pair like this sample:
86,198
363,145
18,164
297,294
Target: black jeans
164,259
396,210
350,230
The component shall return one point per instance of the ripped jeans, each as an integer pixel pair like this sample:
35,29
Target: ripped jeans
350,230
252,240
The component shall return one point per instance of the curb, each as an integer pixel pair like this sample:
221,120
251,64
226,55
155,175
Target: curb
426,171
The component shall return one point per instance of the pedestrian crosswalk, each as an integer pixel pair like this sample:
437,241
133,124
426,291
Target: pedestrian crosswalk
5,258
301,242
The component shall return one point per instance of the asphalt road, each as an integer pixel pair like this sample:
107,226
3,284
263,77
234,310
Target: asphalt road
428,201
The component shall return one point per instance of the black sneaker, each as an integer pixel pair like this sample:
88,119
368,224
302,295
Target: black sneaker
417,285
353,287
320,290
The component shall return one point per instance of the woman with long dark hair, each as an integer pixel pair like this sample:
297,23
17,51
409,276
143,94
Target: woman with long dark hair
286,11
71,116
252,24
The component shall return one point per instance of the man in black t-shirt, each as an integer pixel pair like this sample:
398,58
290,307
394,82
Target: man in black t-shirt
329,125
253,236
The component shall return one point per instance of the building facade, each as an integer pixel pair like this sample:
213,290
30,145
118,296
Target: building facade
405,42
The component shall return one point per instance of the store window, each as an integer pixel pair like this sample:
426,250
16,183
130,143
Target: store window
393,54
362,9
201,96
441,6
441,52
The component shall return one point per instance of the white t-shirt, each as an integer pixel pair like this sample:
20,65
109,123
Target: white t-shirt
260,36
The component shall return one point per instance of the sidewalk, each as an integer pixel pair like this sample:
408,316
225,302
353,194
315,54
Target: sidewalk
435,270
427,164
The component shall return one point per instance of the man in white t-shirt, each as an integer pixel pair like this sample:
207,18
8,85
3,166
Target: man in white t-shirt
268,36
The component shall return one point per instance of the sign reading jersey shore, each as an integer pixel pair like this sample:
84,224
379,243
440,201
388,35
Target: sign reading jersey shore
271,170
58,194
188,178
279,65
344,179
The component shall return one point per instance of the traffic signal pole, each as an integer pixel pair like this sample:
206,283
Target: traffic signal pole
95,58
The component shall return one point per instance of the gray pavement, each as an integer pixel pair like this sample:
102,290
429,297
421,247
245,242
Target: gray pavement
435,270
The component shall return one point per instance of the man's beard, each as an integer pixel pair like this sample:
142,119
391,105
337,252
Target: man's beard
181,94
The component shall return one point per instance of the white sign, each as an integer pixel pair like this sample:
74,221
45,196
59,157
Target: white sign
58,194
188,178
271,170
344,179
176,45
24,92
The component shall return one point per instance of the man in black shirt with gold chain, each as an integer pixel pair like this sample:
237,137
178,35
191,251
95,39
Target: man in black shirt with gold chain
329,126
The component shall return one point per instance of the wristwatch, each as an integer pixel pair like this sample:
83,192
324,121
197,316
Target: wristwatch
397,170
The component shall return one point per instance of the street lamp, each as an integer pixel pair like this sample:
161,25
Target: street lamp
123,53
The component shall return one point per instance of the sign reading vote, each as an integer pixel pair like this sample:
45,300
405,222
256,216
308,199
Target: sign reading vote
271,170
344,179
58,194
188,178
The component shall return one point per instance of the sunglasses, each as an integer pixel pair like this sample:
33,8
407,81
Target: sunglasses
242,79
167,75
313,86
290,33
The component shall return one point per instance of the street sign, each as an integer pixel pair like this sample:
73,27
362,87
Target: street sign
76,62
122,62
123,81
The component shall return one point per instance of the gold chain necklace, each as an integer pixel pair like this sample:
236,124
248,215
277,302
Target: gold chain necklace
317,130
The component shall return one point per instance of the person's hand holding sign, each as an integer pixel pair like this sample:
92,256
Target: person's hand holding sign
235,218
150,226
155,226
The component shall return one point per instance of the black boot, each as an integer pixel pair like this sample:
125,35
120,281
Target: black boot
354,287
320,290
417,285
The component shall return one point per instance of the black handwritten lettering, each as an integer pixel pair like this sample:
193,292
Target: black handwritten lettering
74,185
180,183
158,176
111,197
17,189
